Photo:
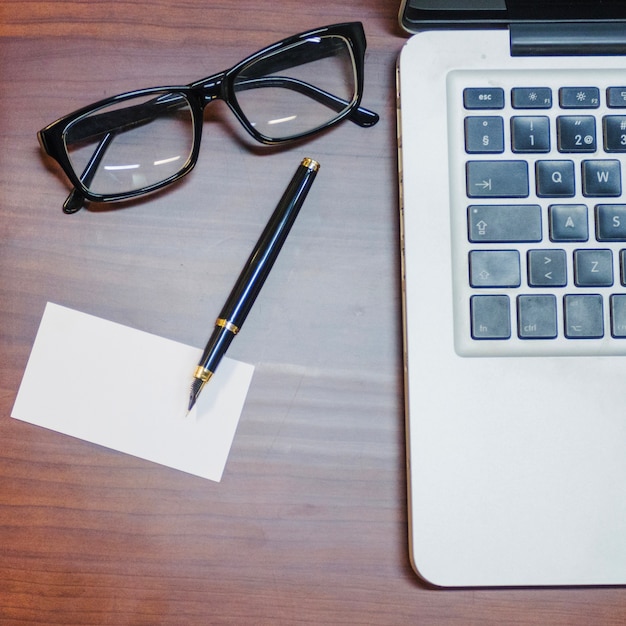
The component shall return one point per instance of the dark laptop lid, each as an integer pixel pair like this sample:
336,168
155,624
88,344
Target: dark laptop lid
421,14
537,27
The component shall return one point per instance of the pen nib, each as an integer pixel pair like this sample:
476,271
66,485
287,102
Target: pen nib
194,392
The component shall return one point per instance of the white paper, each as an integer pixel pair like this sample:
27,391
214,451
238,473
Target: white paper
128,390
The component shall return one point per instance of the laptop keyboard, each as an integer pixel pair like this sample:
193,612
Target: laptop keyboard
538,213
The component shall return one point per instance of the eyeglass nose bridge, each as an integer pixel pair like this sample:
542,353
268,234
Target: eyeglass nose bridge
211,88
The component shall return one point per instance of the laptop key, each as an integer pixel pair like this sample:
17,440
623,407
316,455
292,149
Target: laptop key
579,97
576,133
490,317
602,178
493,179
593,268
555,179
616,97
547,268
530,133
531,97
536,317
504,222
611,222
618,315
484,134
494,268
614,133
483,98
584,316
568,222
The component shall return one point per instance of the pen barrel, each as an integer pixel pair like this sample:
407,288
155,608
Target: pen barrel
262,258
216,347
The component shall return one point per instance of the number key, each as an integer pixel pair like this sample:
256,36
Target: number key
576,133
614,133
530,134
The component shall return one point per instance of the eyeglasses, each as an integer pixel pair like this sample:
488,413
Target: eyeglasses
137,142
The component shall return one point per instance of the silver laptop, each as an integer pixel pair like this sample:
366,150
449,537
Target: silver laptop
512,136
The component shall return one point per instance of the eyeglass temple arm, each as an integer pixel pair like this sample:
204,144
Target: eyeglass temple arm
361,116
75,200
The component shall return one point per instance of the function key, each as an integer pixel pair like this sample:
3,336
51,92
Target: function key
616,97
579,97
531,97
491,317
483,98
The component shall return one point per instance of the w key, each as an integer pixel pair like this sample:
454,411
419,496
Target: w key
497,179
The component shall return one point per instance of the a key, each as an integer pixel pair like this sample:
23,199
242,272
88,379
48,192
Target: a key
555,179
530,134
568,222
593,268
484,134
531,97
602,178
504,179
490,317
579,97
611,222
618,315
504,222
547,268
483,98
584,316
494,268
614,133
576,133
536,317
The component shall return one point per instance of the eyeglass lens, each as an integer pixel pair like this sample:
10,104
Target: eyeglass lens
298,89
139,142
133,144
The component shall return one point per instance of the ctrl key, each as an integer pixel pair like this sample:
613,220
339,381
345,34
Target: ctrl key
490,317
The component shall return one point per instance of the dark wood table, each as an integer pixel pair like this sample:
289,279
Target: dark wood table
309,522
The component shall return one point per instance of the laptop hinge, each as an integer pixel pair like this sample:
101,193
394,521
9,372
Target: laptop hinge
572,39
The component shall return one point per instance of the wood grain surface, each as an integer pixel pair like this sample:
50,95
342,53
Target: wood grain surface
308,525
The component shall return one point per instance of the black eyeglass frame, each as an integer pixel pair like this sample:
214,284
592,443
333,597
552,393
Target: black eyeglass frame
198,94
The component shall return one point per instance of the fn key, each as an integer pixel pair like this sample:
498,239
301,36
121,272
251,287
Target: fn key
491,317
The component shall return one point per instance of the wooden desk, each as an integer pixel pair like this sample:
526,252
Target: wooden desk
309,522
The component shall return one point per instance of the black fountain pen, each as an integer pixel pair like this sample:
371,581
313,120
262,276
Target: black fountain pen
253,275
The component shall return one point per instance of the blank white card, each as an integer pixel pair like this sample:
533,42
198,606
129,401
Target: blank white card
128,390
